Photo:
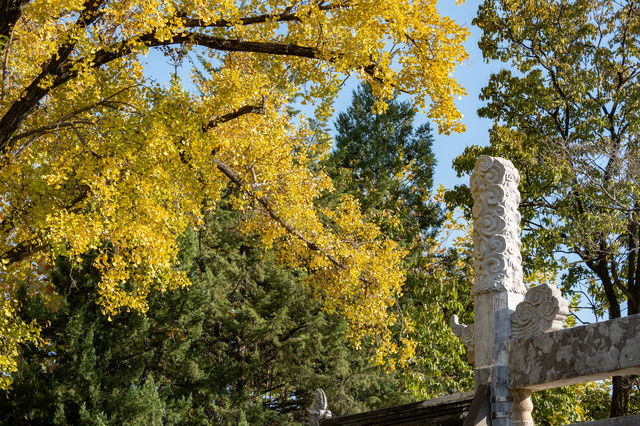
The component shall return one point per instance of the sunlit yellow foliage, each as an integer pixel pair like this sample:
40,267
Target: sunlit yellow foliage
97,158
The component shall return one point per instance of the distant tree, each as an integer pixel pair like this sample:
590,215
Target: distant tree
387,163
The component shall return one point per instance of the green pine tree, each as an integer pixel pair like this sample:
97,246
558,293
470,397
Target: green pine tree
245,340
387,162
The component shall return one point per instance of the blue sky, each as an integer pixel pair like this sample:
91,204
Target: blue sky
473,75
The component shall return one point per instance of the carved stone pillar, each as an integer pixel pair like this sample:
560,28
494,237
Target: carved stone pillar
498,286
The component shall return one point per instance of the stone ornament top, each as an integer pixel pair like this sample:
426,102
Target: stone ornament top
496,227
319,409
543,309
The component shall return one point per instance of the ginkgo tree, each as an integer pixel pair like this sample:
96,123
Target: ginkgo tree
95,157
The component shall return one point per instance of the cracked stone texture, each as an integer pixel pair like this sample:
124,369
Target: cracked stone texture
575,355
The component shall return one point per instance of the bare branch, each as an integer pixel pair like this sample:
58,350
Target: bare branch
54,126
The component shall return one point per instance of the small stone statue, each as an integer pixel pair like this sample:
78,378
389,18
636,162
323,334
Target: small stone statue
318,409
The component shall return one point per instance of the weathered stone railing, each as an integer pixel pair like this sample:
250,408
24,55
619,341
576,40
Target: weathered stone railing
517,343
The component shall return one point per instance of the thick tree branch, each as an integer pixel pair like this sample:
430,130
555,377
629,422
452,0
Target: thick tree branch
126,47
22,251
602,271
10,12
251,20
5,65
618,282
244,110
59,66
64,70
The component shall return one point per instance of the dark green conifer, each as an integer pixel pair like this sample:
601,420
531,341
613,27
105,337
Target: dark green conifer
387,162
245,341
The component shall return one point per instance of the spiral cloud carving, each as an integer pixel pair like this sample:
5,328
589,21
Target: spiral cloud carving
496,226
543,309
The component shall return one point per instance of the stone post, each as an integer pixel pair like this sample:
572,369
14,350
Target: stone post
498,286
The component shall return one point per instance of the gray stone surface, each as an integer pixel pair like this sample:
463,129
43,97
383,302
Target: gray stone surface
497,286
466,334
480,411
318,410
575,355
496,226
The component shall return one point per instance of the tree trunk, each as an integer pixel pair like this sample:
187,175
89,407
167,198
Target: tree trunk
10,11
622,386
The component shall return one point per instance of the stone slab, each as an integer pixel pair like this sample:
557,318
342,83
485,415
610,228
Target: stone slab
480,410
575,355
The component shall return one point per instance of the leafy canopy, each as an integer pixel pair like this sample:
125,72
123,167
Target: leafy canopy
95,157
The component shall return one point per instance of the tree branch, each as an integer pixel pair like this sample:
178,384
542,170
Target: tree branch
59,66
616,279
10,12
22,251
54,126
285,16
64,70
266,204
247,109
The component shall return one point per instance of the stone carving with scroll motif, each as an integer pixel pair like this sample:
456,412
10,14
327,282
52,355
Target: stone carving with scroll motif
496,226
466,334
543,309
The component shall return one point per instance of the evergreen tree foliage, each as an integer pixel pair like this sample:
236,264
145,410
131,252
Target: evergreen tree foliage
245,341
387,163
